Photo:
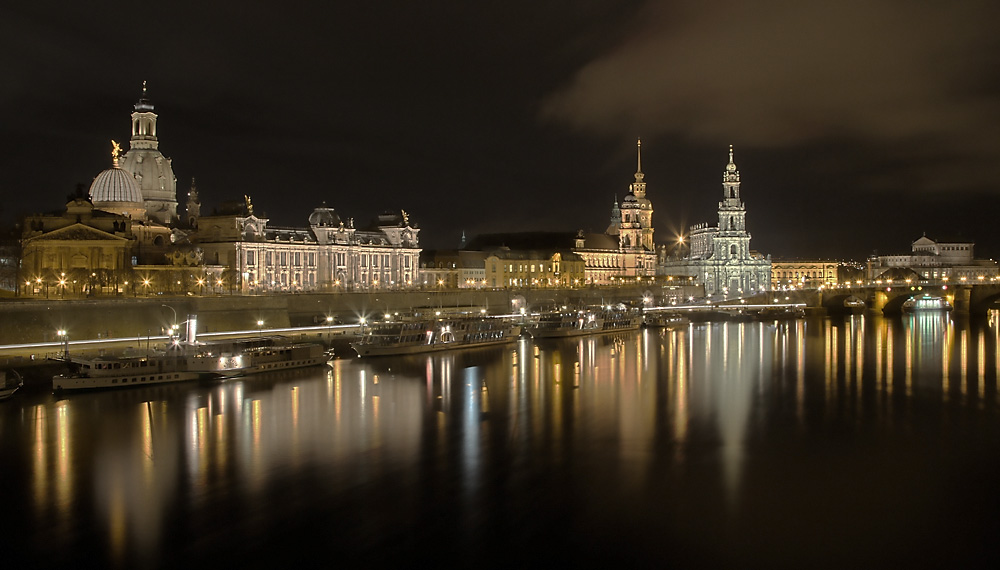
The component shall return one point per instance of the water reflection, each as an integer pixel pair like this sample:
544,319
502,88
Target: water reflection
492,443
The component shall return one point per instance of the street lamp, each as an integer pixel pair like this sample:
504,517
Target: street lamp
173,324
260,324
64,336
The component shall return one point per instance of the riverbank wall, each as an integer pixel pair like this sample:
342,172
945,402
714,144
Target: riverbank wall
30,321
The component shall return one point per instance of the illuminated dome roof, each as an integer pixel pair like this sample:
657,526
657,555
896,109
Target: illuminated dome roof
115,185
324,216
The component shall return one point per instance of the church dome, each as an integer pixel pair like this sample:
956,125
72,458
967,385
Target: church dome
324,217
115,185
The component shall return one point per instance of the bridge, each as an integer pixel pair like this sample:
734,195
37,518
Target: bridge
973,299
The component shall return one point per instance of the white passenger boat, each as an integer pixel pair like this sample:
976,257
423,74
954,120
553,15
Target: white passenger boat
175,365
926,302
10,382
414,335
566,322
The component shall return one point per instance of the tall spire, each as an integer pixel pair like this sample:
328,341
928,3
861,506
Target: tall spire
731,174
144,104
638,156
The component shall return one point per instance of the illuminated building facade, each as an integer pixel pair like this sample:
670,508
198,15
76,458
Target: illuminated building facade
330,254
804,274
720,256
534,268
935,260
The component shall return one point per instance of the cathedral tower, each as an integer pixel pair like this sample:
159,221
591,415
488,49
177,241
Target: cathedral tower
636,228
733,241
146,163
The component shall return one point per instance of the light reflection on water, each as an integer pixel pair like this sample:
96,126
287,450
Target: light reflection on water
725,441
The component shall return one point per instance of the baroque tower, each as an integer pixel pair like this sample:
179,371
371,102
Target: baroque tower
733,241
636,228
153,171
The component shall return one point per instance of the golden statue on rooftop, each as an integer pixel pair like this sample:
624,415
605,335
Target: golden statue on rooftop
116,149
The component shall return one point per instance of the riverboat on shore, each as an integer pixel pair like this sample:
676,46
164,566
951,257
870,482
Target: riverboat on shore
414,335
566,322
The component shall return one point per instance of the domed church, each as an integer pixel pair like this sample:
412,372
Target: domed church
115,190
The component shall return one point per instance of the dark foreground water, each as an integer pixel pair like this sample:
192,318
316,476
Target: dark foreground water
851,443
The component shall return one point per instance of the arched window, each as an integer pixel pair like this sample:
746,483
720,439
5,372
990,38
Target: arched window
732,251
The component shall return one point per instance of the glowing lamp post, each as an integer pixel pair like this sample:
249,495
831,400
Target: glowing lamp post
260,324
64,337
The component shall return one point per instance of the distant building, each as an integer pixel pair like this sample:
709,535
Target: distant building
535,268
452,268
720,256
803,274
934,261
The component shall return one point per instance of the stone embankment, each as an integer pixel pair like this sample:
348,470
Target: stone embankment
31,321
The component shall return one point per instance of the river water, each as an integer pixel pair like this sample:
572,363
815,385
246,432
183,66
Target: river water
833,443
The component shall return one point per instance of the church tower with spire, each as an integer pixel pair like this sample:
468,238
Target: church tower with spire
153,171
635,233
720,257
636,228
732,241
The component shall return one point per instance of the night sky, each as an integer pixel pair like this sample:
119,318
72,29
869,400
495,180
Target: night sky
857,125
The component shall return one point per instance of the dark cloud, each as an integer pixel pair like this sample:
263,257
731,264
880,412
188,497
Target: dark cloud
915,82
523,115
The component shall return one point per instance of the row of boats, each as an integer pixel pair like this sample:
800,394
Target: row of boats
418,332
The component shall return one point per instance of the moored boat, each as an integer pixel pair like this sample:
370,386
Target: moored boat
781,313
95,373
926,302
414,335
566,322
620,318
665,319
265,354
10,382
